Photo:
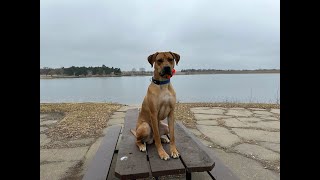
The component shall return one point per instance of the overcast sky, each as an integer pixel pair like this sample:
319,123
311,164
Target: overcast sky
218,34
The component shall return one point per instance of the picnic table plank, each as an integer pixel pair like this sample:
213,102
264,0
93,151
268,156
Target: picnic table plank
131,163
220,171
192,155
100,165
161,167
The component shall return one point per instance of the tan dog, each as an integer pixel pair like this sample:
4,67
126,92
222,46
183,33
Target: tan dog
158,104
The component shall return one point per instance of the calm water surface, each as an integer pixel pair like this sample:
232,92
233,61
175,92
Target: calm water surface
262,88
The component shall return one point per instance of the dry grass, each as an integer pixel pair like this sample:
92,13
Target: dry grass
81,120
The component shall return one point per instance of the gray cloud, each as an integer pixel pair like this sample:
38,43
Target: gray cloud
221,34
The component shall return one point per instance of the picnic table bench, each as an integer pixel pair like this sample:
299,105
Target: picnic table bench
118,149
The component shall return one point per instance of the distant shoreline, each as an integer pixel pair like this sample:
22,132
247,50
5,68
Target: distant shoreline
178,73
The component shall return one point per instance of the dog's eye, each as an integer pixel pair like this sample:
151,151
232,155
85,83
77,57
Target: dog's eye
160,60
170,60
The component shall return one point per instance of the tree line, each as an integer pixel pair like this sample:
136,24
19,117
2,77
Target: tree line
78,71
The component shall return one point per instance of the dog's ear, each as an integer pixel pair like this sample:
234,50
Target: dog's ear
175,56
152,58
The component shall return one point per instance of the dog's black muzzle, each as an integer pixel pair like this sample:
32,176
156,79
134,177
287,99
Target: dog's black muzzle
166,71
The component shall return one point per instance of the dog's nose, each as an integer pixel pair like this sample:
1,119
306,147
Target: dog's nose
167,69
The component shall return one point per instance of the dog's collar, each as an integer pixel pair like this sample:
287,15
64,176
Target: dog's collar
160,82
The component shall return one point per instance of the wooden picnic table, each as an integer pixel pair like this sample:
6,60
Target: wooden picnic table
118,149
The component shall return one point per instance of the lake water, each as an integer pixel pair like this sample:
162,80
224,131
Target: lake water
262,88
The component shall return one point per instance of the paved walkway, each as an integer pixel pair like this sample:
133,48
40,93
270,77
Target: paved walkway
246,140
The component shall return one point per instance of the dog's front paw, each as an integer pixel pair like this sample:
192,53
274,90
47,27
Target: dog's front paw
163,155
142,147
174,153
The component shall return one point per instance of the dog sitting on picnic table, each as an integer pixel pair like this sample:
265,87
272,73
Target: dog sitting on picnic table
158,104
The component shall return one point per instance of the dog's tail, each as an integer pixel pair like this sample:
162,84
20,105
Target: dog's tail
133,132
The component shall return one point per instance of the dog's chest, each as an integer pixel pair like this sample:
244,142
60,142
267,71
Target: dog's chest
165,101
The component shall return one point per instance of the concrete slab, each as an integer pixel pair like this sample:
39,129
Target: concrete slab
199,108
263,113
90,154
209,116
245,168
257,152
208,111
258,135
201,175
44,139
219,135
269,118
276,111
205,142
43,129
65,154
237,108
125,108
195,132
46,123
249,119
269,125
85,142
257,109
272,146
208,122
56,170
115,121
117,116
233,122
237,113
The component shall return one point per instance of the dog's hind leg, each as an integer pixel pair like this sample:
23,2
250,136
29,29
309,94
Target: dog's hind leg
143,135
